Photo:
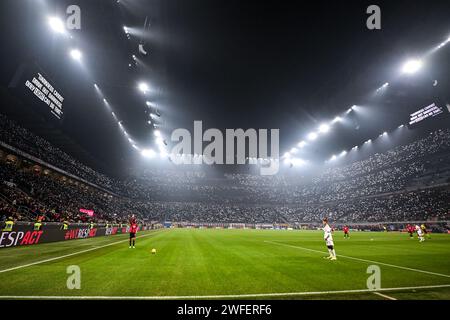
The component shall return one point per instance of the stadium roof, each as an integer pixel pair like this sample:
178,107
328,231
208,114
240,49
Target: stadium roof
229,63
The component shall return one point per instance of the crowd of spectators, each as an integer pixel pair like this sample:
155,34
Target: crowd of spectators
13,134
397,185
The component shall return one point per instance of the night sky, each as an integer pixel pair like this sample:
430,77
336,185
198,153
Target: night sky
233,64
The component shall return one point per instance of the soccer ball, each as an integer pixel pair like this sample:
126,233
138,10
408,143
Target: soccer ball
153,251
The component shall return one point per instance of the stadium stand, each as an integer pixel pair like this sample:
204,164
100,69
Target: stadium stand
408,182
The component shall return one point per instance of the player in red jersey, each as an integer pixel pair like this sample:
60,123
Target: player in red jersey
346,232
133,231
410,230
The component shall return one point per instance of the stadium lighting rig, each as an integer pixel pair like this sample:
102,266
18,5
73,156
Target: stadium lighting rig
301,144
148,153
312,136
143,87
324,128
384,86
57,25
297,162
337,119
412,66
157,133
76,54
409,67
443,43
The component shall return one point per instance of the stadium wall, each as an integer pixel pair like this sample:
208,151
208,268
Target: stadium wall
24,235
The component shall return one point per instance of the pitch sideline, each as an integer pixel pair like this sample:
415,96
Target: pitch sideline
68,255
363,260
237,296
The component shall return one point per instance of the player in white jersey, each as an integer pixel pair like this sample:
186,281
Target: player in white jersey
328,237
420,234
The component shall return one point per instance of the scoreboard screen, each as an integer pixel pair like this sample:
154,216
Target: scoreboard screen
430,111
44,91
31,85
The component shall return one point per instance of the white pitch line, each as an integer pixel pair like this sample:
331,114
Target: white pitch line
235,296
384,296
364,260
67,255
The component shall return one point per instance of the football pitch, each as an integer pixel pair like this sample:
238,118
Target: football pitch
230,264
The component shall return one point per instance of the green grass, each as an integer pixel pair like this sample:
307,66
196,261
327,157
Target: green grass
193,262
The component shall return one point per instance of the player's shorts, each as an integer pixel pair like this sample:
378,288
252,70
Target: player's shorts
329,243
132,235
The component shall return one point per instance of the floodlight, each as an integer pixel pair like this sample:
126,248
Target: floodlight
148,153
301,144
298,162
76,54
56,25
324,128
337,119
143,87
412,66
312,136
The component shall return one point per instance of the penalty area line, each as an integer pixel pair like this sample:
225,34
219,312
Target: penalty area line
235,296
363,260
67,255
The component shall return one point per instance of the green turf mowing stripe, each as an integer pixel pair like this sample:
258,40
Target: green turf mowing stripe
68,255
363,260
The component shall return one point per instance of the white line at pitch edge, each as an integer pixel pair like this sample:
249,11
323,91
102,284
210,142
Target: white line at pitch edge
66,255
236,296
363,260
384,296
